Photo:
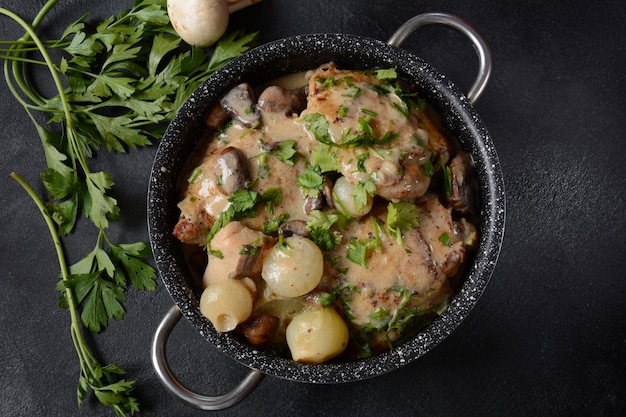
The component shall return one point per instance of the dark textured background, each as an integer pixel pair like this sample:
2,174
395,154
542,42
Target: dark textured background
548,337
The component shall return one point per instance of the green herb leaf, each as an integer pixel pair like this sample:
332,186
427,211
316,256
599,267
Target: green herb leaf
270,227
362,193
317,124
386,74
311,181
326,158
286,151
445,239
401,217
357,252
230,46
125,78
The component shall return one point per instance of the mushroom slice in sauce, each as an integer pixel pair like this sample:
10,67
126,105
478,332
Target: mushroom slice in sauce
231,169
293,227
276,99
464,185
240,104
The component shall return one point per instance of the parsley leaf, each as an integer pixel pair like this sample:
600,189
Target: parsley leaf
311,181
317,124
401,217
444,238
286,151
230,46
326,158
320,224
357,252
362,193
386,74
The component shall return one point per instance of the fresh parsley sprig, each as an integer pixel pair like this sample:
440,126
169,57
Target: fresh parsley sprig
117,86
102,380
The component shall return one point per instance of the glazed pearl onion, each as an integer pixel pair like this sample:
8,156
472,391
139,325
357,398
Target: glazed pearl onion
316,336
343,196
226,303
294,268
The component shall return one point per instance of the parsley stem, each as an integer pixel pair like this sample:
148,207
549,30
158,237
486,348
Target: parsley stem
88,362
30,32
77,336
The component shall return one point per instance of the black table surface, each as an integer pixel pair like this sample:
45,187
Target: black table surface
548,336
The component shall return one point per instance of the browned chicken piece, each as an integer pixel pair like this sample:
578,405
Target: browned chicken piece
420,266
359,114
206,191
236,252
438,230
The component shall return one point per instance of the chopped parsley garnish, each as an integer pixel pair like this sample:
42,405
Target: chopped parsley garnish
311,181
243,204
357,251
326,158
401,217
386,74
320,224
445,239
360,164
317,124
270,227
428,168
363,191
325,239
352,91
342,111
286,151
251,248
272,197
194,175
326,82
326,299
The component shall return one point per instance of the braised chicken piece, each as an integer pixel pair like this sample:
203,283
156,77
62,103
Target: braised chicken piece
365,112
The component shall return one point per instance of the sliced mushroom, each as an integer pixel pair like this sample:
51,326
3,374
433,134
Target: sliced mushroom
313,203
231,170
464,185
259,329
293,227
275,99
240,104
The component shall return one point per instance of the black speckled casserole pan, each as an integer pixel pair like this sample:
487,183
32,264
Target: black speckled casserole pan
266,63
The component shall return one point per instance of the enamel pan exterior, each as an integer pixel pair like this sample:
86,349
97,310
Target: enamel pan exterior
300,53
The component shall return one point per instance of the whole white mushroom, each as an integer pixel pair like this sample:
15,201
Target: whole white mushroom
199,22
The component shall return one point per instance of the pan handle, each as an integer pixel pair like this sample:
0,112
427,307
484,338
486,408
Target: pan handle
169,381
480,45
